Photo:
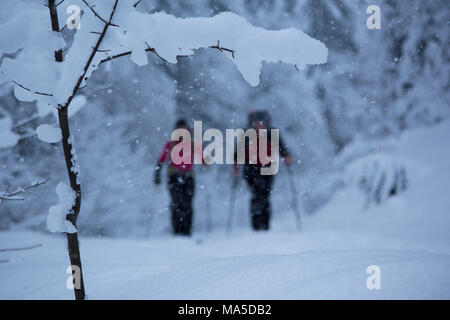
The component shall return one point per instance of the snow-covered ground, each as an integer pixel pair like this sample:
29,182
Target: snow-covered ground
407,237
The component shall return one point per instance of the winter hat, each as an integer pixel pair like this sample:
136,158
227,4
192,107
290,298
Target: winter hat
258,115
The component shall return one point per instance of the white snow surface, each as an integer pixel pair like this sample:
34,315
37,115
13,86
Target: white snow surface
48,133
407,237
7,137
78,102
56,219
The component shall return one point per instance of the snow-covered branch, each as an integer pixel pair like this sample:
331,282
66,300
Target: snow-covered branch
98,16
152,50
249,46
135,34
30,90
94,51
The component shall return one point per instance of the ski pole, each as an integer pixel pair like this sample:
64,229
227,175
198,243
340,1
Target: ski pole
208,213
231,205
294,197
149,222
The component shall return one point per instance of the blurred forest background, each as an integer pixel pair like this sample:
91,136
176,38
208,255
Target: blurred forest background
376,84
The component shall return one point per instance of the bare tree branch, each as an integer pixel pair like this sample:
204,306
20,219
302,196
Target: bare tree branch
13,196
98,16
22,248
100,50
29,90
136,3
117,56
91,57
221,49
153,50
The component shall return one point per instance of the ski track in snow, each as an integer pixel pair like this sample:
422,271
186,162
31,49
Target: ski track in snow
407,237
179,269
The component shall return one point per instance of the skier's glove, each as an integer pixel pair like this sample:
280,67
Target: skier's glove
157,178
157,175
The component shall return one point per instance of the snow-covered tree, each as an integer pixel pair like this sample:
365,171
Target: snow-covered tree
50,69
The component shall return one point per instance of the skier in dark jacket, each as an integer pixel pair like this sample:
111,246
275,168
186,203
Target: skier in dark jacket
260,185
181,186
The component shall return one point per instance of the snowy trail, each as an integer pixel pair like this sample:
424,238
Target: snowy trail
251,266
407,237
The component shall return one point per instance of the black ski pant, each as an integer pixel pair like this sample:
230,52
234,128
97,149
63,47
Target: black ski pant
260,187
181,188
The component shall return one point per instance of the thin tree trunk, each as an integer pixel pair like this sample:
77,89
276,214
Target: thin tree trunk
72,238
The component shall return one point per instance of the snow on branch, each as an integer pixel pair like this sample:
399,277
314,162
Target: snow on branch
93,52
249,46
135,34
29,90
152,50
57,215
